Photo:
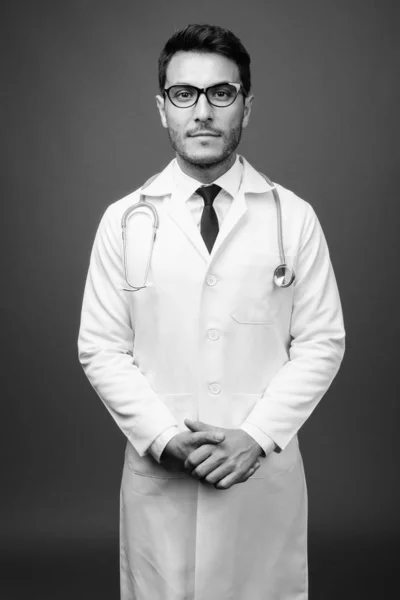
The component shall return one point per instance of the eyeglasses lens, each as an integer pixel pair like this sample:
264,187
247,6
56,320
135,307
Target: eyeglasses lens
218,95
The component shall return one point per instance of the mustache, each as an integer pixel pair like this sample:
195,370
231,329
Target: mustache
193,132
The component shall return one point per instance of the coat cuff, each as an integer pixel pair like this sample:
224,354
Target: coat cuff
267,444
157,447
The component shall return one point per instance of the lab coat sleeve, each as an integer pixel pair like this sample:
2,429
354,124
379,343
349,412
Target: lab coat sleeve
262,439
318,341
157,447
106,344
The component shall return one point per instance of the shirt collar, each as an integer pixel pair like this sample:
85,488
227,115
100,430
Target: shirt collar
252,181
229,181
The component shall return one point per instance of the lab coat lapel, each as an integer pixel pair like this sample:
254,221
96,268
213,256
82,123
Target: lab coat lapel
235,214
164,185
179,212
252,182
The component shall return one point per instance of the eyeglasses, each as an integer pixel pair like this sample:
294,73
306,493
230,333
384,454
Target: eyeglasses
220,94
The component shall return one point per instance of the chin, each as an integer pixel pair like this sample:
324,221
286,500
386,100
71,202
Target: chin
206,159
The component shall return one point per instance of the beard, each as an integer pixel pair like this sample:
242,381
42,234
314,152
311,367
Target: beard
231,142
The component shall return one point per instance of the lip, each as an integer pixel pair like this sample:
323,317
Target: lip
204,134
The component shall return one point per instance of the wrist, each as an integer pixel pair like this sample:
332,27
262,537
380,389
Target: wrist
266,443
260,450
157,447
166,453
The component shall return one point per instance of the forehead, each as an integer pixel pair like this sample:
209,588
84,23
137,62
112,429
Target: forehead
200,69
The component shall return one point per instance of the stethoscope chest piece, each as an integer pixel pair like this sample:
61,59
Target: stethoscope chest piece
284,276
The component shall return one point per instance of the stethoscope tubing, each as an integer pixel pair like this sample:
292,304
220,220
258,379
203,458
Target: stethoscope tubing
278,218
144,204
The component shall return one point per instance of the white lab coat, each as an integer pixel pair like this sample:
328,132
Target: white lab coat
212,338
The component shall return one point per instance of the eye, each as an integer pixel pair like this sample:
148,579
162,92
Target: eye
184,94
223,93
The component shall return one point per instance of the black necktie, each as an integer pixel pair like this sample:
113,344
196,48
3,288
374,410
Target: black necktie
209,220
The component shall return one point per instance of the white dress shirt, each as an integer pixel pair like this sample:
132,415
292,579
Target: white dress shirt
186,193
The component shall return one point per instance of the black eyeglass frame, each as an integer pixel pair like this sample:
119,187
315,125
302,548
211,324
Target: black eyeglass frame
238,86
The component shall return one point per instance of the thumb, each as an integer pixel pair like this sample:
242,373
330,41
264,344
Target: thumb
198,425
208,437
205,433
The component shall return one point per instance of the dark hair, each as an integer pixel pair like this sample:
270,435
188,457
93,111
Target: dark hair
206,38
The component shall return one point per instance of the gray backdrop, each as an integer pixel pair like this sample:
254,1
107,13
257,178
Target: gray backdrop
81,130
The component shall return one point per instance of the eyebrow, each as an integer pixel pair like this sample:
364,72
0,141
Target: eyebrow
206,86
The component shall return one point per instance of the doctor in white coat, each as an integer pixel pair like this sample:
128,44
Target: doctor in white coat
211,369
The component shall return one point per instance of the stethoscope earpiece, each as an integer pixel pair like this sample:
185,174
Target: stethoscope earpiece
284,276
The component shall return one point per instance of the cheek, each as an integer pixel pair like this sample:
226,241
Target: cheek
177,122
232,120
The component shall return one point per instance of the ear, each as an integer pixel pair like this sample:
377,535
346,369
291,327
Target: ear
161,109
248,101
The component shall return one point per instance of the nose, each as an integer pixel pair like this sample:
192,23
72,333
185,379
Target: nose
203,109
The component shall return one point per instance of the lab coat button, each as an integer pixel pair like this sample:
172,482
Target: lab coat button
211,280
213,335
214,388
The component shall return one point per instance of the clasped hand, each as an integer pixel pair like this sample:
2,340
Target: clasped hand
217,455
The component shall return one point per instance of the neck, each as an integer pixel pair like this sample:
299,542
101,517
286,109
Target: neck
206,173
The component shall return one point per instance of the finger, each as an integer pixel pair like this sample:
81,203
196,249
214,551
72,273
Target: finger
226,482
209,466
208,437
198,425
219,473
236,477
249,473
196,457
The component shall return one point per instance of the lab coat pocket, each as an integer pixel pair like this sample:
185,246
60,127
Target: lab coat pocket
279,463
147,466
182,406
258,300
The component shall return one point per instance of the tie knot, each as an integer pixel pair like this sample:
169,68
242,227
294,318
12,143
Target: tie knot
208,193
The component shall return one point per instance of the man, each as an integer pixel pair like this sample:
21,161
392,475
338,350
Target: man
210,368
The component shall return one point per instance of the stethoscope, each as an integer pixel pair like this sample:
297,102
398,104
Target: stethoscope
283,277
